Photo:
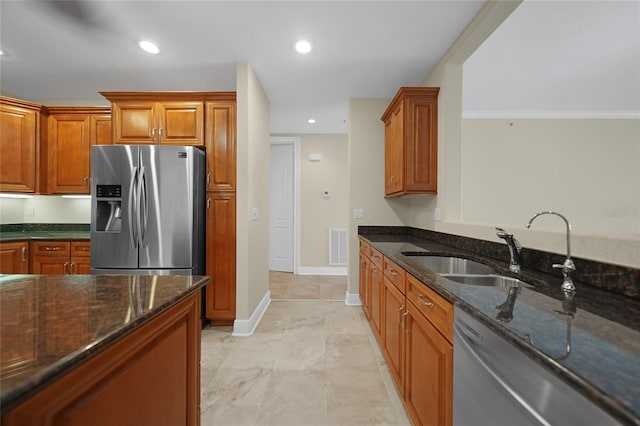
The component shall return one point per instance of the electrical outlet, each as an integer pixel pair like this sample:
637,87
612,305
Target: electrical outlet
31,211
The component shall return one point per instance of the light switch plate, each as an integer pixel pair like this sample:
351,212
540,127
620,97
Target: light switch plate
358,213
255,213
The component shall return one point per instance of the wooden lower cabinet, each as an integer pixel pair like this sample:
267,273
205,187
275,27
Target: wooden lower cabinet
149,377
393,335
375,290
428,392
365,284
417,344
221,257
14,257
60,257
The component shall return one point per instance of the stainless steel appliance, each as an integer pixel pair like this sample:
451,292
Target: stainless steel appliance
495,384
147,210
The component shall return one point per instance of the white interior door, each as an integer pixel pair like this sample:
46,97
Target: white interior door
281,229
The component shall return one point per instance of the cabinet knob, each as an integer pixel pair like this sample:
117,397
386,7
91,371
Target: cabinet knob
153,133
85,181
52,248
24,254
208,203
160,134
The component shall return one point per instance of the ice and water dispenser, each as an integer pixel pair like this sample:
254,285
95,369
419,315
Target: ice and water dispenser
108,208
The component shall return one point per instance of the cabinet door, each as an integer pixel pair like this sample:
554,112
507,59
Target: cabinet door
364,276
134,123
394,153
100,129
221,256
429,372
393,332
421,138
180,123
14,257
69,154
80,266
49,265
18,137
376,300
221,145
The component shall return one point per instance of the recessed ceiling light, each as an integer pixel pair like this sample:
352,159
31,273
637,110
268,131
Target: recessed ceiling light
311,121
1,53
149,47
303,46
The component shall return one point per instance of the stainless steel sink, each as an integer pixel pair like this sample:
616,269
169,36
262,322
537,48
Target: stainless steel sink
488,280
448,264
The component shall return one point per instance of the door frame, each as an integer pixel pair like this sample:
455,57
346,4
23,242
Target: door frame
295,141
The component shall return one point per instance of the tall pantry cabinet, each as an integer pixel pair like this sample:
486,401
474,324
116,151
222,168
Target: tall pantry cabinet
208,120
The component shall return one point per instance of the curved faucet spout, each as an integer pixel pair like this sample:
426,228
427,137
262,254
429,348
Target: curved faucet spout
568,267
528,225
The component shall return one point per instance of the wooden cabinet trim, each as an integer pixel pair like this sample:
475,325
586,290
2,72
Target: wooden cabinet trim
169,96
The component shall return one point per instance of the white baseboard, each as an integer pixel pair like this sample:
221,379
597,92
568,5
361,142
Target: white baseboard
331,270
243,328
352,299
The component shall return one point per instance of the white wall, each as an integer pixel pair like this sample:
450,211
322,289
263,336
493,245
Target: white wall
252,239
318,214
366,177
513,168
45,209
455,186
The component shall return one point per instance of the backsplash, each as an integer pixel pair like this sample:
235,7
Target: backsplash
613,278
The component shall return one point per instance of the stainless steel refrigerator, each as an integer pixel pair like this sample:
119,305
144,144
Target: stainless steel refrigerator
147,210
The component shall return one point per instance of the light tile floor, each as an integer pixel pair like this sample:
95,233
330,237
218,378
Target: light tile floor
309,362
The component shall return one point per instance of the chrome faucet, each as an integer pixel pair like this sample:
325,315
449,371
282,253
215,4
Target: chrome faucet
515,249
568,266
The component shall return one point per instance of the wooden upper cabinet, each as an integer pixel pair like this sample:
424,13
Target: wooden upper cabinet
172,118
134,123
411,142
100,129
221,145
181,123
19,138
72,131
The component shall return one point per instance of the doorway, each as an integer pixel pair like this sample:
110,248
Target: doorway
283,205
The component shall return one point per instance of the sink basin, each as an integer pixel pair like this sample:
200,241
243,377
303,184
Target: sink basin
488,280
448,264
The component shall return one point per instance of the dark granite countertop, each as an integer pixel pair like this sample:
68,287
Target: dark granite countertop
51,323
604,361
45,231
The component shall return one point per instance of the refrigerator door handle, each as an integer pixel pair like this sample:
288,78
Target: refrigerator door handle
139,206
131,210
144,201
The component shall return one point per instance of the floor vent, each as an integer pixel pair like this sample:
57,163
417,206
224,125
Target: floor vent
337,246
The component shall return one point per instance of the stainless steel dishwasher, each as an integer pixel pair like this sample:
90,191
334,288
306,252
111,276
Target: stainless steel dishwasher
496,384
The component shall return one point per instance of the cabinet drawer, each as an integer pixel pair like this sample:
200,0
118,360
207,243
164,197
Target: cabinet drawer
377,258
50,248
395,274
437,309
81,248
365,249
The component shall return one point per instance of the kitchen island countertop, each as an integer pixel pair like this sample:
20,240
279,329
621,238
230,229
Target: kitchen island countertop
53,323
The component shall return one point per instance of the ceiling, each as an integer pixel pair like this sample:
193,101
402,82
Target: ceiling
570,59
574,55
361,49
